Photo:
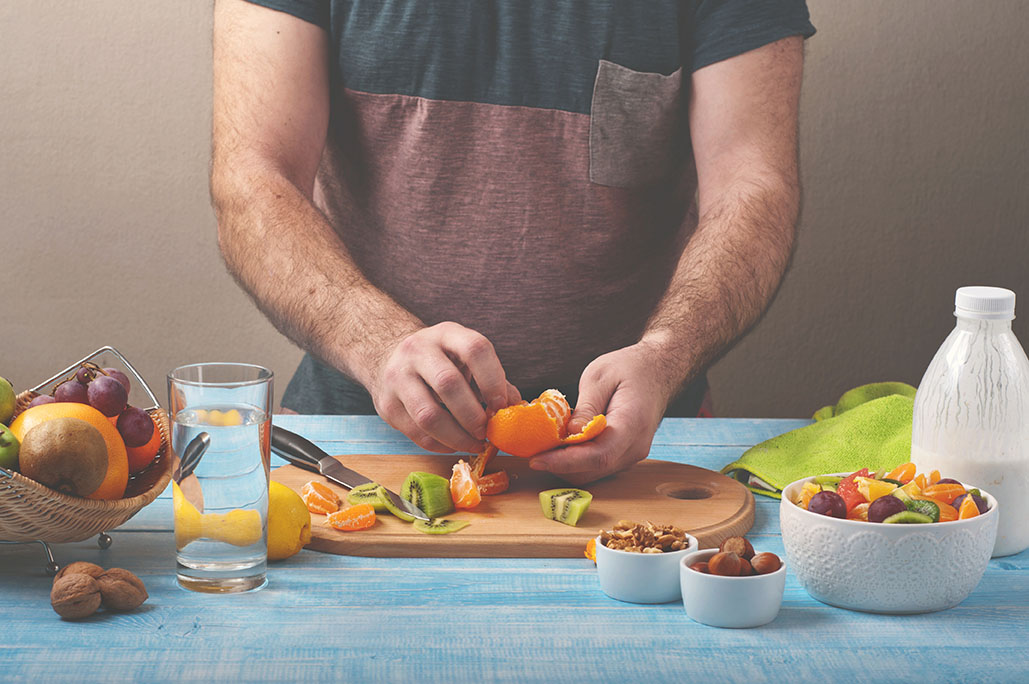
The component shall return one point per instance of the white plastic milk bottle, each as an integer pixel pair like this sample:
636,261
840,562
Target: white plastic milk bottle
971,419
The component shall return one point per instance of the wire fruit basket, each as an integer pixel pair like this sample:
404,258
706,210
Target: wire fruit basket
32,512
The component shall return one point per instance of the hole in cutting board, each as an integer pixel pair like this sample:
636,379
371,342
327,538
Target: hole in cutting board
681,490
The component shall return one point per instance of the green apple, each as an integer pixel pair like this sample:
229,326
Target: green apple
8,448
7,401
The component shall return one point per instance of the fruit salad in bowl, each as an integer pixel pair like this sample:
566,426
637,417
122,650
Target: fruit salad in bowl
896,542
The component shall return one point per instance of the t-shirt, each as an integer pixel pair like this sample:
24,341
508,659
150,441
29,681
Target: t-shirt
521,167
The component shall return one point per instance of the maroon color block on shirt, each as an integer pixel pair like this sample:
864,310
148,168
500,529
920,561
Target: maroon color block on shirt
486,215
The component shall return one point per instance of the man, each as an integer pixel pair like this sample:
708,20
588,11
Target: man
452,204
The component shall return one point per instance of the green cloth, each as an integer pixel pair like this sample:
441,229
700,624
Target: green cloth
870,427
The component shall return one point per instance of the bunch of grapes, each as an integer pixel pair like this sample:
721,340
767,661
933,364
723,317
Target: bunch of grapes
106,390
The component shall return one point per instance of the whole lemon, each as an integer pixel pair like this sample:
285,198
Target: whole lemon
289,522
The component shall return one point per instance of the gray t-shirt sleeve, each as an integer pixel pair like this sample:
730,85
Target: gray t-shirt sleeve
312,11
727,28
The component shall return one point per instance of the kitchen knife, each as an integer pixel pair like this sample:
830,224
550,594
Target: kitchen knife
304,454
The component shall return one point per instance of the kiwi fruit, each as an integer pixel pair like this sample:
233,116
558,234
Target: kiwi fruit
565,505
429,492
380,493
66,454
366,494
435,526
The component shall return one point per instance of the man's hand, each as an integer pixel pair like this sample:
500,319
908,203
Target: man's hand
627,386
743,129
433,384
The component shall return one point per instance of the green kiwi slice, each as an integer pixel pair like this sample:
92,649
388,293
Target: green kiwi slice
565,505
429,492
435,526
927,508
366,494
908,517
384,499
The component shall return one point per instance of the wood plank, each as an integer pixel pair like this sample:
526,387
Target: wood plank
710,506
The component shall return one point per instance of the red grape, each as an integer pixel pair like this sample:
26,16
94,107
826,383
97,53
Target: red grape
42,399
120,377
107,395
84,374
828,503
71,391
136,426
884,507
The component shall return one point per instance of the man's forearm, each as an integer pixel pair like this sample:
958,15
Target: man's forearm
727,275
288,257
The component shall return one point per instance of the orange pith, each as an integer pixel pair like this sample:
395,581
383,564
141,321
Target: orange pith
359,517
319,498
113,486
463,488
480,460
527,429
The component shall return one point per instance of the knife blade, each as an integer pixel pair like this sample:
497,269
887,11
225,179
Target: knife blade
305,454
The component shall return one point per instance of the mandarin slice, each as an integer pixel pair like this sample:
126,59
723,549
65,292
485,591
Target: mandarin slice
359,517
464,490
494,483
968,509
319,498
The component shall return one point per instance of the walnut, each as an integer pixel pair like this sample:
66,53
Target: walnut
121,590
82,568
75,596
643,537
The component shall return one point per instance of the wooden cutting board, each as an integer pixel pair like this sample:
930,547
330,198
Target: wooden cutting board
706,504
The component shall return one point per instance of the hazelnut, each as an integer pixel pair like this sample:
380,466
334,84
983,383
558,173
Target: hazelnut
725,563
745,568
700,566
765,563
738,545
121,590
75,596
80,567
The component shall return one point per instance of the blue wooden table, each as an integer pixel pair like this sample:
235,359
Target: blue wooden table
348,619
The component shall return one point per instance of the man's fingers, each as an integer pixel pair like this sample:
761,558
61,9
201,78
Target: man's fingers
594,396
452,389
476,353
433,418
396,415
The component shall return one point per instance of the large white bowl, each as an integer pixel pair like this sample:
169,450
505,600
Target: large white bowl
641,577
881,568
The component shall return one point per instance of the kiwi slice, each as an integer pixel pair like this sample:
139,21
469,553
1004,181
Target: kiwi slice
384,499
908,517
565,505
366,494
891,481
826,480
926,508
429,492
435,526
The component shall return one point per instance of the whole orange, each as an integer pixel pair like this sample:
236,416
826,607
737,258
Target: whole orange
113,486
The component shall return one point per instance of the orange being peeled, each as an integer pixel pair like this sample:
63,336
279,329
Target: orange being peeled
113,486
529,428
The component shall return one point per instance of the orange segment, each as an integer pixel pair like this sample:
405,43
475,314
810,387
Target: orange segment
934,476
944,492
527,429
319,498
591,550
494,483
359,517
903,473
968,509
859,512
463,488
947,512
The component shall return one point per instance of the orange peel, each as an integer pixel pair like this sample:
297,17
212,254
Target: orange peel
529,428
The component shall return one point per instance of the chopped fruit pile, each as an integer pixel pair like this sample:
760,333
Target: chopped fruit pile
529,428
900,496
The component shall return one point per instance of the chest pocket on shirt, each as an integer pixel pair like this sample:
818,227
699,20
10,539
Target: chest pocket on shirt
634,125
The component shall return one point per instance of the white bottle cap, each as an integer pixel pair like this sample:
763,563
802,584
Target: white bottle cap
993,303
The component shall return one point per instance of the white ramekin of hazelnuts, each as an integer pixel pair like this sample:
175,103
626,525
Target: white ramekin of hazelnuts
732,586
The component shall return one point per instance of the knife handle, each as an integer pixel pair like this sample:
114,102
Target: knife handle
295,449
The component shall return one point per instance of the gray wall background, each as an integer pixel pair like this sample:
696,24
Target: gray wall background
915,162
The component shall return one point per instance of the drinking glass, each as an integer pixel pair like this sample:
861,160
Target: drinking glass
221,505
